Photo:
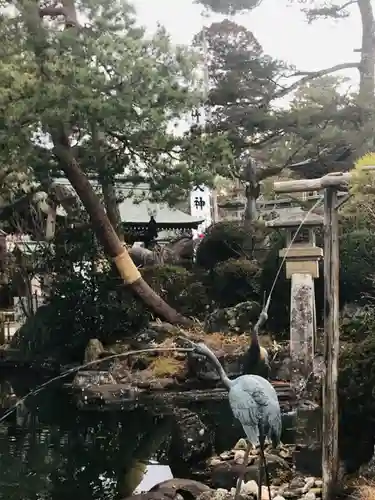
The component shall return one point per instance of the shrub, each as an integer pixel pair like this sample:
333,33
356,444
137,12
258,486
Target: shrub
357,265
356,322
178,287
230,240
101,306
235,281
356,400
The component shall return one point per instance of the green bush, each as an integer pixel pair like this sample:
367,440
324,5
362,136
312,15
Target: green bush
231,240
98,306
101,306
234,281
356,400
279,311
356,323
179,287
357,265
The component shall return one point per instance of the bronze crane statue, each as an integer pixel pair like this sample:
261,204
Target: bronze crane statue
254,403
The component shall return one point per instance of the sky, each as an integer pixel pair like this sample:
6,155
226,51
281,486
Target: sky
280,28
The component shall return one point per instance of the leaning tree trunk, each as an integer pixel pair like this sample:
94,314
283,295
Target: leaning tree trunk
252,191
107,235
367,62
366,100
106,180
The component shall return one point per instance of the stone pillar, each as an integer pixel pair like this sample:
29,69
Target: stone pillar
302,324
302,266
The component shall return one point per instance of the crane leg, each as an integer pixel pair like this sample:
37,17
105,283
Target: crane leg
263,459
243,471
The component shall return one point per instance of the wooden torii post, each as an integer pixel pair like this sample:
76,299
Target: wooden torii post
330,184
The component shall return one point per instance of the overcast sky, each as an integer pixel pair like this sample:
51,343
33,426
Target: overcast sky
279,27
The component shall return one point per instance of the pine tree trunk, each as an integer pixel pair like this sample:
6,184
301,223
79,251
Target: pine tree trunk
107,235
367,63
62,149
251,192
107,182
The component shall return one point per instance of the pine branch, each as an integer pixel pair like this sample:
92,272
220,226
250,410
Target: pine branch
312,75
333,11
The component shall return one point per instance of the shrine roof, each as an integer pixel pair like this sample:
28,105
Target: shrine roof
136,208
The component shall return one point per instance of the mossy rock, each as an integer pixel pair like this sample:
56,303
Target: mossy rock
237,319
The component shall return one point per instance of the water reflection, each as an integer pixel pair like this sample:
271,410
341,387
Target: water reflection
50,451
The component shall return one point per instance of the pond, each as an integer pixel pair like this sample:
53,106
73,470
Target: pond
49,450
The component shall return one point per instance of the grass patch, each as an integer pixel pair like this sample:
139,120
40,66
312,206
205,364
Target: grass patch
364,489
165,367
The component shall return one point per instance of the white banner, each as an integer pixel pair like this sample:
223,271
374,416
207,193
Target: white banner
200,206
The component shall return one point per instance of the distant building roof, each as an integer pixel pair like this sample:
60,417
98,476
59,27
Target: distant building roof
136,209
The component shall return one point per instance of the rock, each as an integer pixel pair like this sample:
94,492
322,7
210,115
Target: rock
227,455
239,456
292,493
225,474
162,384
87,378
93,351
191,439
149,496
207,495
155,333
283,487
317,491
221,494
171,487
238,318
279,497
264,495
297,482
201,368
240,445
250,488
277,481
310,495
318,483
213,461
309,483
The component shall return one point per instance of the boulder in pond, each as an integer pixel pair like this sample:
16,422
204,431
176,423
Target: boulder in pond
191,439
187,488
237,319
225,474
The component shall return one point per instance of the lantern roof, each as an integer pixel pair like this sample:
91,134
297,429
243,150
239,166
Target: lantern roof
292,218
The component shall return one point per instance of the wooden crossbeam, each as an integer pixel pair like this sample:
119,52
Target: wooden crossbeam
335,180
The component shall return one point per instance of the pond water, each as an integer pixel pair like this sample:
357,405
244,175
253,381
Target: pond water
50,451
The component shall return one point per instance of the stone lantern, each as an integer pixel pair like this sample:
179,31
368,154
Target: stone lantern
302,267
